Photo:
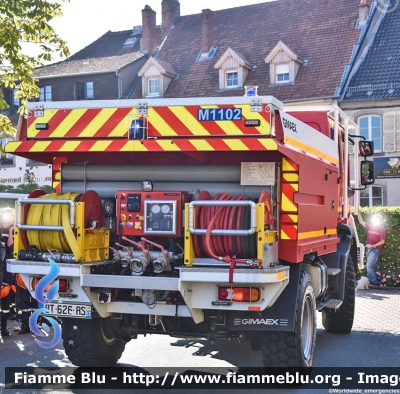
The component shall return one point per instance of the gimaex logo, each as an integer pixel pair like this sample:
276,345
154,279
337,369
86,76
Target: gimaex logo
40,296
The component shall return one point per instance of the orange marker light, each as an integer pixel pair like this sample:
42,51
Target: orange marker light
239,294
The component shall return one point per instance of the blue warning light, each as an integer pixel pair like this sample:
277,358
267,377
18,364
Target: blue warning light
136,131
251,92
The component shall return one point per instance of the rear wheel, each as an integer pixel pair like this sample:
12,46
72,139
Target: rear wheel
294,349
341,320
91,343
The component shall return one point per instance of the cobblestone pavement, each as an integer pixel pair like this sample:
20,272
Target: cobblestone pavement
377,311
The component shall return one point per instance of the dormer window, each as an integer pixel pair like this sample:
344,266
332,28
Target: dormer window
154,87
233,69
232,80
283,63
156,76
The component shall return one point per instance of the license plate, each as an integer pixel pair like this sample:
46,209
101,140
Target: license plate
72,310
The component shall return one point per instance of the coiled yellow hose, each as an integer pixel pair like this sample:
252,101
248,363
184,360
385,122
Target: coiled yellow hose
53,215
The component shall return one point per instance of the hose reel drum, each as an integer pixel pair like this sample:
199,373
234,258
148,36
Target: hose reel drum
61,225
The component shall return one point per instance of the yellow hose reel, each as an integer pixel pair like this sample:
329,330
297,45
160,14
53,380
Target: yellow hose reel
68,223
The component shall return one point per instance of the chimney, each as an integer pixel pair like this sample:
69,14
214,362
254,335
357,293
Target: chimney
170,11
363,13
149,31
207,25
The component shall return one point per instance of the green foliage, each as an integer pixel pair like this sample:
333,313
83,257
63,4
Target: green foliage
389,258
7,203
24,188
25,21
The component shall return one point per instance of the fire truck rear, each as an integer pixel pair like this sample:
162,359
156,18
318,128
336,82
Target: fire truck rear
217,218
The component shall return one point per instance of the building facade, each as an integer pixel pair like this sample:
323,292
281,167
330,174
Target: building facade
371,95
299,53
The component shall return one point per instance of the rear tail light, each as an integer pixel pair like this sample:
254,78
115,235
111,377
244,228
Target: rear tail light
239,294
62,285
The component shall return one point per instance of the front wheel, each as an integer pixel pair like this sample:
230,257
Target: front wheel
294,349
91,343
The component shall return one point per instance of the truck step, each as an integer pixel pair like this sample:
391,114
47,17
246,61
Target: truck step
331,304
333,271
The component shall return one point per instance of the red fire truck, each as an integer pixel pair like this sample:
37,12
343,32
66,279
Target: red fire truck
217,218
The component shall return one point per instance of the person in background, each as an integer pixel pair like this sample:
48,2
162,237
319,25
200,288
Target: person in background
24,305
376,236
6,252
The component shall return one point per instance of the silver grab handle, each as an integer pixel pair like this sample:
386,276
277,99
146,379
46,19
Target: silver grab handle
211,203
45,202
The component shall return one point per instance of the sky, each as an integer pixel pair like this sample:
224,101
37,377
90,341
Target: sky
84,21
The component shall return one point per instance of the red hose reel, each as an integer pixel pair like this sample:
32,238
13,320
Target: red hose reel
230,249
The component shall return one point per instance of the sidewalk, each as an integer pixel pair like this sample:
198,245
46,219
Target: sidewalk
377,312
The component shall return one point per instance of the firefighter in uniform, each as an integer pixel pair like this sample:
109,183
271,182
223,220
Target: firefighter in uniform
24,305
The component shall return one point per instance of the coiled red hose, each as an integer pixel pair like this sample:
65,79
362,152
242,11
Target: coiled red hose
223,247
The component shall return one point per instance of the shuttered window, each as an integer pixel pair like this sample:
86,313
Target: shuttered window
391,131
371,129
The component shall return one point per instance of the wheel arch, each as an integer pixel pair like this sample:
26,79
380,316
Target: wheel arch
350,231
281,314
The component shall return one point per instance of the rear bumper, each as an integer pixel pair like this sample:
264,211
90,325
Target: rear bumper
197,285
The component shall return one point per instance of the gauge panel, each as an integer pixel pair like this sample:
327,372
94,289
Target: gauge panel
140,213
160,217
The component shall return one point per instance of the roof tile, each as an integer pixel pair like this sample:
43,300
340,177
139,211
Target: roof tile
323,32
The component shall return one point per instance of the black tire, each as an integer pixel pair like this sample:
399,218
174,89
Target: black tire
294,349
90,343
341,320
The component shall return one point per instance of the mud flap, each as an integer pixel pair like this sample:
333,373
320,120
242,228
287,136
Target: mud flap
279,317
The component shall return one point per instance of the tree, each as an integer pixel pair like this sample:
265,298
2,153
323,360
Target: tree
23,188
25,21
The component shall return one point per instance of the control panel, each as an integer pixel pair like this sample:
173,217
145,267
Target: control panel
150,213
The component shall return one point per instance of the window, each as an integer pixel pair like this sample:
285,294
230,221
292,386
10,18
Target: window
16,100
130,42
6,159
207,56
156,76
9,97
282,73
45,93
85,91
232,80
371,129
233,69
154,87
372,196
89,90
284,64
